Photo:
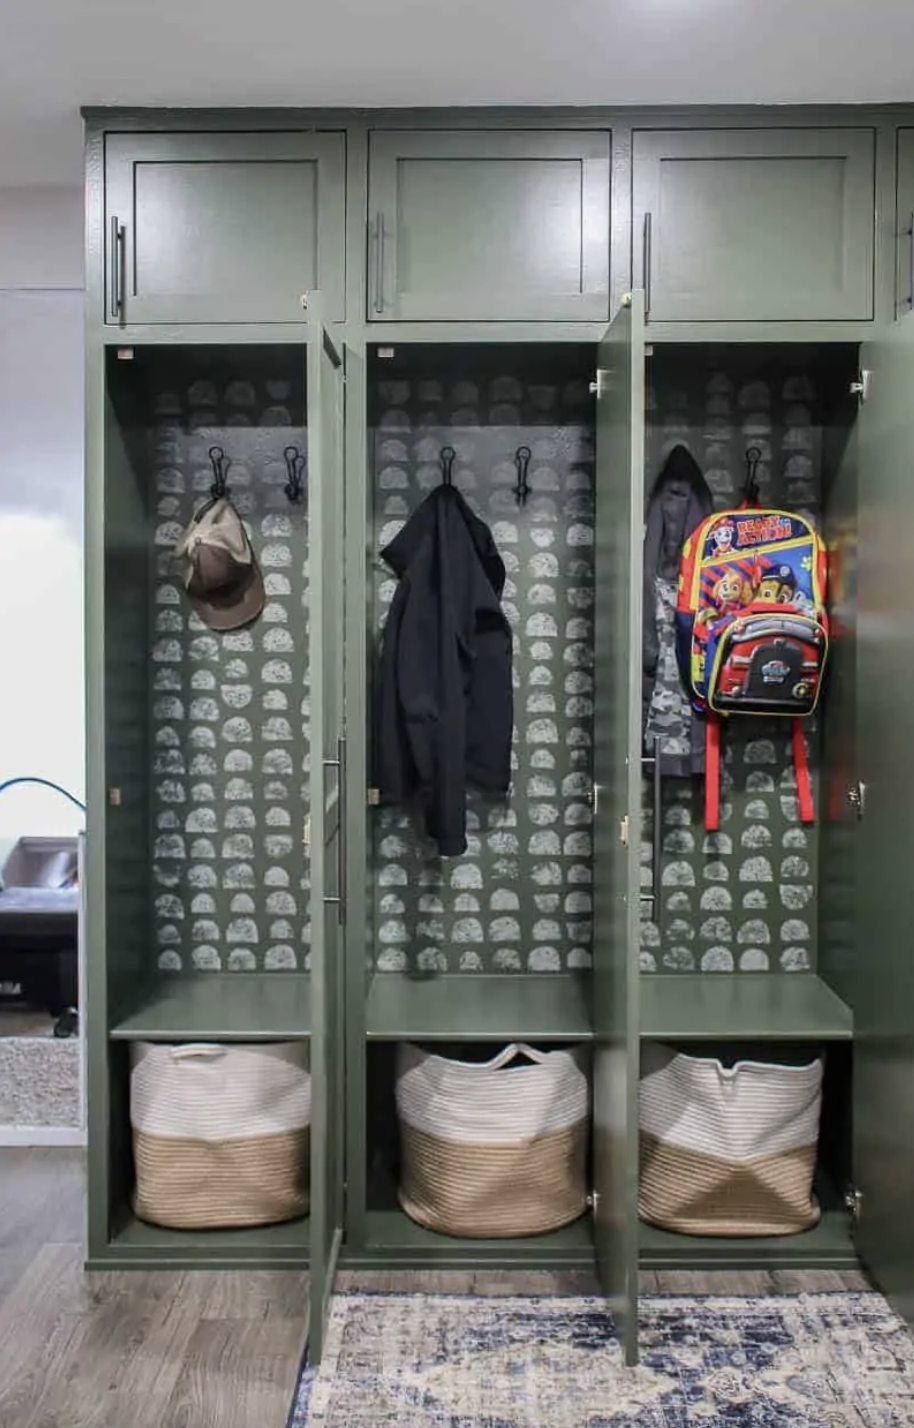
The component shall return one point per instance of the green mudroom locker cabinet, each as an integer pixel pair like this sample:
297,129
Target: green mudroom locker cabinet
591,290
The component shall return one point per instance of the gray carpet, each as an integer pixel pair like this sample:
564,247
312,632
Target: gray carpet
39,1081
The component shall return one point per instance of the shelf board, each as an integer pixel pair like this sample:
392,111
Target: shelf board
829,1245
393,1239
138,1245
751,1006
534,1007
239,1006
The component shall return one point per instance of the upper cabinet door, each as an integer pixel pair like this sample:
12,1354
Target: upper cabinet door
483,226
223,227
617,810
754,225
904,227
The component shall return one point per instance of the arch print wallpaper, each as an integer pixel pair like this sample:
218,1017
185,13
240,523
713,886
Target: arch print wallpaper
520,900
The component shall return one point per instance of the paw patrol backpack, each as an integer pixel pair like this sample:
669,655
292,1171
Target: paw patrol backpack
752,629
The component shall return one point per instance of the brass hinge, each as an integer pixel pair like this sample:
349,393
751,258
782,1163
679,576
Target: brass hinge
853,1201
856,797
623,831
373,797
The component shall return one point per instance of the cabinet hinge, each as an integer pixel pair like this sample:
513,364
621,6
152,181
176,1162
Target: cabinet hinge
860,386
623,831
853,1201
856,797
373,797
598,386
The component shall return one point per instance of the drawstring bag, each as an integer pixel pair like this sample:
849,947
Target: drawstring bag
495,1149
727,1150
220,1133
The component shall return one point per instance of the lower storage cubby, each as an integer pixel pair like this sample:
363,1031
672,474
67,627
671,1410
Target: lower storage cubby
120,1239
396,1240
827,1244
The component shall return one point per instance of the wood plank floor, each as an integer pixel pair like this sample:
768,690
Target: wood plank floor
199,1350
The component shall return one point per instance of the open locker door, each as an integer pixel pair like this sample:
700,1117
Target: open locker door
883,975
327,831
617,809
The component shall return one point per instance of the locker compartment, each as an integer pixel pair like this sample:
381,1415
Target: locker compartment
519,902
209,730
213,869
501,943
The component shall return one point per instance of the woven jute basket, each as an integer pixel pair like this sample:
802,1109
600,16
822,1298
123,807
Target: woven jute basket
497,1149
220,1133
727,1151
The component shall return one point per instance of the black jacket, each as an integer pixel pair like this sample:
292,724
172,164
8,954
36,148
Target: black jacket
679,502
445,696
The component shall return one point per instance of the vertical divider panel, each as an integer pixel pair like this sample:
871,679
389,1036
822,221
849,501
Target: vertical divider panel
883,975
358,932
326,836
617,809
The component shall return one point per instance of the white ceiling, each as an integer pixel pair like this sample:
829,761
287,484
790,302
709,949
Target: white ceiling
56,55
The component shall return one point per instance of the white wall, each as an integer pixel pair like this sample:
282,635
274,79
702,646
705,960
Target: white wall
41,478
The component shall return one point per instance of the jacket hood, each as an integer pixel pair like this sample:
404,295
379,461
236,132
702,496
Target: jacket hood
445,503
681,467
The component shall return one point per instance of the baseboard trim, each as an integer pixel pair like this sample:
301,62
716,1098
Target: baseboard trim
42,1135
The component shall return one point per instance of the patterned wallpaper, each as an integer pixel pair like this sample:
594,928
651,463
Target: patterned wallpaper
742,898
230,711
520,898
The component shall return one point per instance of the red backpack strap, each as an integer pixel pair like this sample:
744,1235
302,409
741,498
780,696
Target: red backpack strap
712,773
801,768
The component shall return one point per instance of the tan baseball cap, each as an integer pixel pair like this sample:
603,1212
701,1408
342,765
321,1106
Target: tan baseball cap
221,574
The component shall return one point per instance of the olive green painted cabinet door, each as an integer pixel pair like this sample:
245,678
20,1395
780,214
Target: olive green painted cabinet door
617,803
904,227
883,984
764,225
498,226
226,227
326,836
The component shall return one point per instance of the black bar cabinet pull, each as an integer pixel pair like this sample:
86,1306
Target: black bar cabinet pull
341,853
647,258
338,900
657,831
379,263
116,261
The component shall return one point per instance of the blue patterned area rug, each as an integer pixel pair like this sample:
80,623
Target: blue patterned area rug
437,1361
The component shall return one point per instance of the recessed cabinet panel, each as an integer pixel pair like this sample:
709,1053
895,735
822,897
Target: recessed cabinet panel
223,227
904,227
754,225
480,226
